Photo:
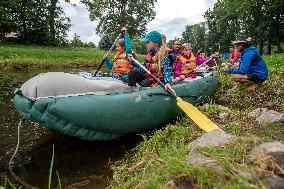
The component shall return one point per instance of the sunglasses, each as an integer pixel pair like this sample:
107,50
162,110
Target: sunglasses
177,44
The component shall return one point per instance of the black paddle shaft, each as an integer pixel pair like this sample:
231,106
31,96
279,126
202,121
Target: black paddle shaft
155,78
109,51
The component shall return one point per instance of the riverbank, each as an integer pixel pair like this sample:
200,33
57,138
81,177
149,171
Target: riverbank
19,57
165,158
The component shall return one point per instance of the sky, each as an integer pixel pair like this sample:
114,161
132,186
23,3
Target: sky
171,18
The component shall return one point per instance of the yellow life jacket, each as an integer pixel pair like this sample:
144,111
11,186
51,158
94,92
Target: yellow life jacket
188,65
121,64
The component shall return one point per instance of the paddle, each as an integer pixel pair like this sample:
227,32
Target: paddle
198,117
203,63
109,51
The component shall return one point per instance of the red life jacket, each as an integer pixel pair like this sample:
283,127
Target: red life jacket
188,65
121,64
152,66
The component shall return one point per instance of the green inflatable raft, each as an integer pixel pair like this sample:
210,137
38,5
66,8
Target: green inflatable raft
103,109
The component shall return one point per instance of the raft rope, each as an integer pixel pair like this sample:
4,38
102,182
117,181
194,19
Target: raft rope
18,179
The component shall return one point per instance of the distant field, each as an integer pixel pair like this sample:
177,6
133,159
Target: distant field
21,57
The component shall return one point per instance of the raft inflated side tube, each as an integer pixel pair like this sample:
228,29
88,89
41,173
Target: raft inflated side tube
103,109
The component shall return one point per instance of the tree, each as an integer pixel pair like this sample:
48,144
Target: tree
195,34
76,41
115,14
106,42
263,20
265,23
138,46
224,25
37,21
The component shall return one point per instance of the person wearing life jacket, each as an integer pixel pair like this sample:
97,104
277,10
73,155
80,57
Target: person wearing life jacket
185,63
200,59
120,65
153,62
253,70
234,57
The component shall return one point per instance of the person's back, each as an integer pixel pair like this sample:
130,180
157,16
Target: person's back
253,63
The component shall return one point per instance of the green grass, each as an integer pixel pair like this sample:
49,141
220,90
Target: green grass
21,57
162,156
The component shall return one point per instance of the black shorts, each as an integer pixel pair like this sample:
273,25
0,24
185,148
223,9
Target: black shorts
255,78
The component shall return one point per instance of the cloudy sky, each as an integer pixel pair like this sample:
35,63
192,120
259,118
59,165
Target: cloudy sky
171,17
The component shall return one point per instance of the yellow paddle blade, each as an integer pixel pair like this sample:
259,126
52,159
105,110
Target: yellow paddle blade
198,117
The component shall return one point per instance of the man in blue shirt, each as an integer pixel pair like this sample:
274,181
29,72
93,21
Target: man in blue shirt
253,69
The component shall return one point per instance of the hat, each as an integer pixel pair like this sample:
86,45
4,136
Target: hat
242,39
153,36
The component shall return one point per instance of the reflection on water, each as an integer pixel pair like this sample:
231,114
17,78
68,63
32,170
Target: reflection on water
83,162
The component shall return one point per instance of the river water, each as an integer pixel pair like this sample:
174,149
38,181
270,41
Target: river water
80,164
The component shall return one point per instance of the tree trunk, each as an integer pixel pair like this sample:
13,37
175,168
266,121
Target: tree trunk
52,19
261,48
277,26
269,47
24,31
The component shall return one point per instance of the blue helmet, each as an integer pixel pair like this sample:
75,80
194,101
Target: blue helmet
153,36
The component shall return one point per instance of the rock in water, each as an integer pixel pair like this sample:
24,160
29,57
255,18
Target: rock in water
263,115
216,137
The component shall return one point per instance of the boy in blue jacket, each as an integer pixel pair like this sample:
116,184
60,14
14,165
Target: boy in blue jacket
253,69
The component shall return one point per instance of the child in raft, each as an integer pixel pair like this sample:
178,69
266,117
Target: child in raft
154,63
185,64
120,66
201,59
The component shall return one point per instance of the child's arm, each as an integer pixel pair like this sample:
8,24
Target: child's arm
244,65
128,45
109,64
167,70
178,68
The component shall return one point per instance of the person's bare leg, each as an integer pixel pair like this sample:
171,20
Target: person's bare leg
244,79
241,78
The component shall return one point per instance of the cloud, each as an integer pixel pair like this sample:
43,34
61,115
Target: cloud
171,17
80,22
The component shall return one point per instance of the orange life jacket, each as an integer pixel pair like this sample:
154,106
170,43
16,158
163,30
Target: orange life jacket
152,66
121,64
188,65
